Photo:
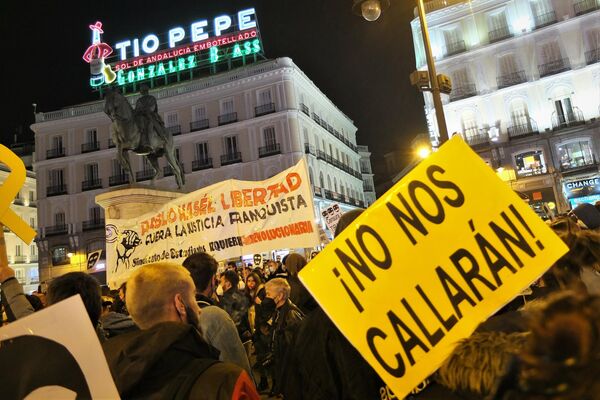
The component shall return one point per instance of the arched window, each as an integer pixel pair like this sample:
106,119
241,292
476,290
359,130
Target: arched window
521,124
335,184
310,176
328,182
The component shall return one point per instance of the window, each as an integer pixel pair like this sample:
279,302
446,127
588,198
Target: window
59,218
171,119
530,163
264,97
32,222
543,13
34,276
31,196
55,177
227,106
592,39
91,172
202,151
59,255
519,114
20,275
95,213
507,64
550,52
453,41
321,181
576,154
230,145
117,168
498,26
269,136
57,142
469,124
564,111
33,250
18,250
91,135
305,132
199,113
328,182
461,78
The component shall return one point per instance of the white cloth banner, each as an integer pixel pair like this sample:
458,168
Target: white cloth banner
228,219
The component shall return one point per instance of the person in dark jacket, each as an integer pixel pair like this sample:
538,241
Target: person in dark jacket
235,303
294,263
114,323
168,358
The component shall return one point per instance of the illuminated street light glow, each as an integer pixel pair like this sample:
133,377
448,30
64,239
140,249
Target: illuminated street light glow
424,152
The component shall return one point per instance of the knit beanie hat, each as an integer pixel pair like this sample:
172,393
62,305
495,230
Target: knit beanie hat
588,214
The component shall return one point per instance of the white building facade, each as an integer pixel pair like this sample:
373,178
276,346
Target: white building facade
249,123
525,89
22,257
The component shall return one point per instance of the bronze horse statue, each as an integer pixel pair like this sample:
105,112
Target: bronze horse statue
141,131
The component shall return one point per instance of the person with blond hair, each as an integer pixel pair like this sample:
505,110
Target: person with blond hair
168,357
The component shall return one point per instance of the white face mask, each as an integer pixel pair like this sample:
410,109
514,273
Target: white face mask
219,290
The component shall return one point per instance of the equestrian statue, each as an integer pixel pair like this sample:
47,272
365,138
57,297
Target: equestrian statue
142,131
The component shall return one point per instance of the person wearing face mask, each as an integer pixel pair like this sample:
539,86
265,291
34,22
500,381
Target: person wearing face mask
168,358
235,302
217,327
285,320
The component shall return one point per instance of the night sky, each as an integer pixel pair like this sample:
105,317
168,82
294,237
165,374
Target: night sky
362,67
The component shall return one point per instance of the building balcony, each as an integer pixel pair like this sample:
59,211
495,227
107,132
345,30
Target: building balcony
228,118
55,153
304,109
365,170
91,224
463,92
32,203
168,171
309,149
204,163
585,6
90,146
580,166
269,150
476,139
522,129
231,158
199,125
499,34
121,179
592,56
368,188
19,259
321,155
56,190
59,229
144,175
264,109
554,67
111,144
91,184
318,191
570,119
18,201
174,130
511,79
545,19
455,48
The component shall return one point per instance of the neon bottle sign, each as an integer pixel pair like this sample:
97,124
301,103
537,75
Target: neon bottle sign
95,55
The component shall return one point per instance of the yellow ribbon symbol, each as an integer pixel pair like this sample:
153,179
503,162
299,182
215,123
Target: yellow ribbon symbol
9,190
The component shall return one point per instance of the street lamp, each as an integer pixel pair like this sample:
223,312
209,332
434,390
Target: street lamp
371,10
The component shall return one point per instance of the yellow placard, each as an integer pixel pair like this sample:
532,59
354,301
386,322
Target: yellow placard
441,251
9,189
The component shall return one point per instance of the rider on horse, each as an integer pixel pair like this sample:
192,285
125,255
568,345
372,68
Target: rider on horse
148,118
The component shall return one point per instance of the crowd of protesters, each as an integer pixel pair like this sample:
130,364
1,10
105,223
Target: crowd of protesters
201,331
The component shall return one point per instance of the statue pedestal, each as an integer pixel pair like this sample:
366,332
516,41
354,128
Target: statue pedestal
133,202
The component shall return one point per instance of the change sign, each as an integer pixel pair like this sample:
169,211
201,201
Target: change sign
441,251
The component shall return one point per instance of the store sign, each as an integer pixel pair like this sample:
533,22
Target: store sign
229,219
577,186
203,42
422,267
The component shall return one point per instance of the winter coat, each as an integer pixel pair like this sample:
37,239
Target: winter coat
115,324
149,364
236,304
286,321
18,304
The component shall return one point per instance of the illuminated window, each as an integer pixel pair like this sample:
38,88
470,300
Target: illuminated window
530,163
519,113
453,41
20,275
59,255
33,250
576,154
469,124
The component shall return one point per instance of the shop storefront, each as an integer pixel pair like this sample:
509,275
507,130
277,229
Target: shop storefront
537,198
582,191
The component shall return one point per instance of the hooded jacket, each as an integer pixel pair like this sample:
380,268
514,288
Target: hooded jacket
149,364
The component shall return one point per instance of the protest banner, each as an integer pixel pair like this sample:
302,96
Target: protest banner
332,215
54,354
442,250
228,219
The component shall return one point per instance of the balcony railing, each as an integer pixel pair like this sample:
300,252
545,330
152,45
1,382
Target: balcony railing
304,109
476,139
569,119
264,109
144,175
455,48
33,203
554,67
56,190
592,56
91,184
18,201
321,155
309,149
464,91
522,128
545,19
368,188
231,158
269,150
55,153
585,6
96,223
228,118
111,144
201,164
19,259
499,34
334,132
511,79
168,171
59,229
115,180
318,191
90,146
199,125
174,130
